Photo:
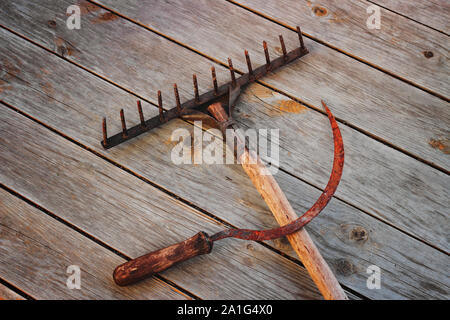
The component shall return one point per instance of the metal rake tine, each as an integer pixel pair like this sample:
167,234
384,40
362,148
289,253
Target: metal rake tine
141,115
233,76
249,63
177,97
105,134
214,78
124,125
283,47
194,79
300,37
161,110
266,53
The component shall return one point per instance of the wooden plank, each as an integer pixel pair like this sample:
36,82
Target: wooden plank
413,121
78,100
432,13
172,62
36,251
8,294
398,47
132,217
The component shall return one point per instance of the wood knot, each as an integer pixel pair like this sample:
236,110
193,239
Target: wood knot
344,267
442,145
51,23
359,234
319,11
428,54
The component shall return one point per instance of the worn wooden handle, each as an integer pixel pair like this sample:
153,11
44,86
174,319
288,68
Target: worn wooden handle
277,202
162,259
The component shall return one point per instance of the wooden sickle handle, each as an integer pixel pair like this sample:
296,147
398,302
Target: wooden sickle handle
277,202
160,260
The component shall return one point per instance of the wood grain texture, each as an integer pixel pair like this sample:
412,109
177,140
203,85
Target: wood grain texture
8,294
133,217
74,101
36,251
397,47
376,103
405,177
387,108
432,13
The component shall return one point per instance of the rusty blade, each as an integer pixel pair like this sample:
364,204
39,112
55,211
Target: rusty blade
318,206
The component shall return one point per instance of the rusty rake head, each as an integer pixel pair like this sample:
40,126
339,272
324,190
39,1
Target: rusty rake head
226,93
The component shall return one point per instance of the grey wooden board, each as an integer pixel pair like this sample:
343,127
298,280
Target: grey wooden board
393,199
369,99
433,13
75,106
397,47
132,217
8,294
36,251
376,103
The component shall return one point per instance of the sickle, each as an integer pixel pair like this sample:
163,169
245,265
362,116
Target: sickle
325,197
157,261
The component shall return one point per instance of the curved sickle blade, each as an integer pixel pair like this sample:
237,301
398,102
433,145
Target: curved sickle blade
325,197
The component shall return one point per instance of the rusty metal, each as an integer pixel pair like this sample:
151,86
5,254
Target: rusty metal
141,115
249,63
227,95
194,79
325,197
124,125
214,78
201,101
233,76
160,107
177,98
283,46
266,53
229,92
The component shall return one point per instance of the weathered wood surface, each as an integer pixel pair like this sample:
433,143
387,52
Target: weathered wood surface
134,218
398,47
8,294
386,107
432,13
413,121
395,191
36,251
73,102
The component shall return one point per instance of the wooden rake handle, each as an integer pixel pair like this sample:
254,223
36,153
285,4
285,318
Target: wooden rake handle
275,198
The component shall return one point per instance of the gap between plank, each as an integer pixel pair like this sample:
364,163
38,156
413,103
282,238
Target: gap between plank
168,282
162,189
223,64
13,288
203,211
348,54
409,18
